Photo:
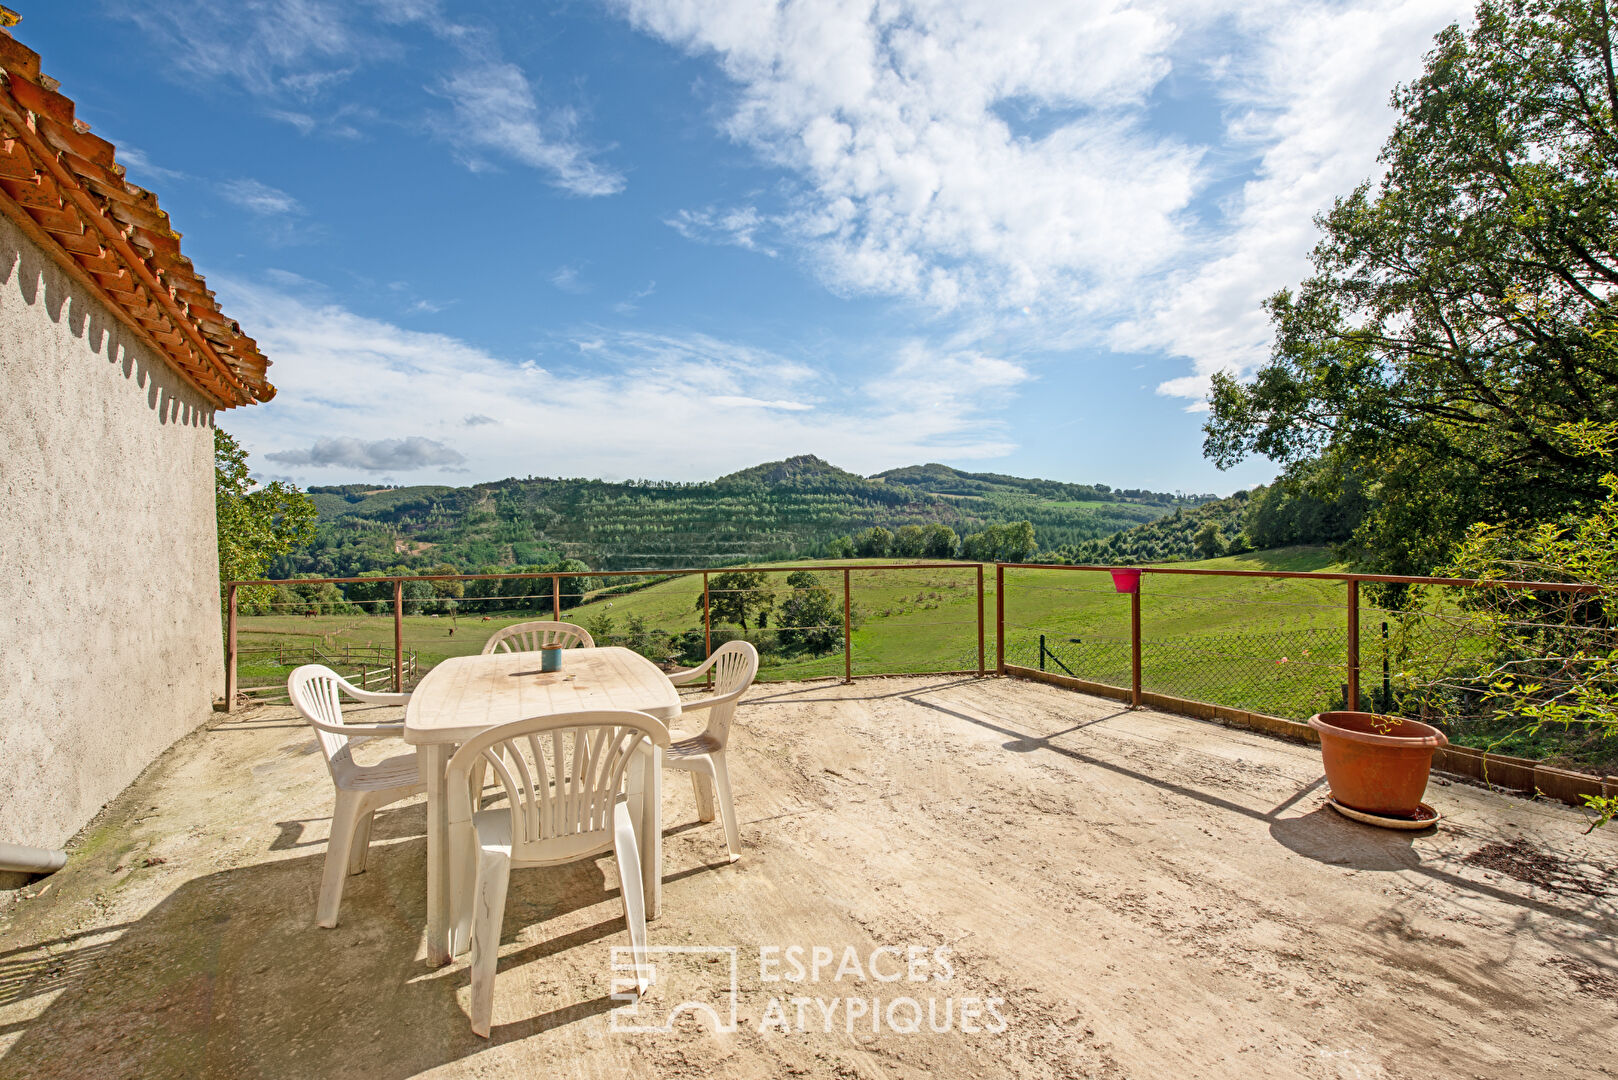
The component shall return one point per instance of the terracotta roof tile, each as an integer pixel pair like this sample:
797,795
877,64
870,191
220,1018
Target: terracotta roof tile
64,187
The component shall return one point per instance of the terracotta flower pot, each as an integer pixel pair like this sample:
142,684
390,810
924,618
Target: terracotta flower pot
1377,764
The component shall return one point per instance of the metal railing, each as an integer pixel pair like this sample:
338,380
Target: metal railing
552,595
1177,651
1327,650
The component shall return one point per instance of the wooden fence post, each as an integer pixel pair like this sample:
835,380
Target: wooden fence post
556,596
1353,703
999,619
230,646
398,636
848,631
1134,645
980,621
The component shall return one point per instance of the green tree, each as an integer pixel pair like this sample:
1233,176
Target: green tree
873,543
737,596
1537,658
909,541
1458,314
940,542
1209,542
256,522
1011,542
602,627
809,618
840,547
1015,541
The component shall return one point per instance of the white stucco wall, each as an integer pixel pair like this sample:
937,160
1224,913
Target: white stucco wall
110,644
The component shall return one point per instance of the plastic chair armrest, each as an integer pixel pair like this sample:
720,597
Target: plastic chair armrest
689,675
356,729
375,697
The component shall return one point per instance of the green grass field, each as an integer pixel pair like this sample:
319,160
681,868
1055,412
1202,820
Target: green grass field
1220,639
1277,646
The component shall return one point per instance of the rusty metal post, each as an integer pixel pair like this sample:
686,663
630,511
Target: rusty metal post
1353,703
230,646
556,597
848,633
999,619
980,621
707,622
398,636
1134,645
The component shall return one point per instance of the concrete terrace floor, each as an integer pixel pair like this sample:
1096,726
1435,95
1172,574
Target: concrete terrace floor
1149,896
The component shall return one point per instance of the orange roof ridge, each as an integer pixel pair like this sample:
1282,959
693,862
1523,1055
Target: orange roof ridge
63,187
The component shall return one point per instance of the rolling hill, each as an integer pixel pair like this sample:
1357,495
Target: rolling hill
776,510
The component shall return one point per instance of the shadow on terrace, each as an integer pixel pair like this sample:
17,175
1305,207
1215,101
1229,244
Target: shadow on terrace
1140,893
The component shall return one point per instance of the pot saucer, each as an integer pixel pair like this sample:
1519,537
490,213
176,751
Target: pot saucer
1425,818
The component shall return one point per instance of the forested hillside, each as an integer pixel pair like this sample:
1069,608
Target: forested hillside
787,509
1287,513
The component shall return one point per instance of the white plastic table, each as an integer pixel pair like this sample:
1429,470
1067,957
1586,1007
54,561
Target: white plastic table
465,695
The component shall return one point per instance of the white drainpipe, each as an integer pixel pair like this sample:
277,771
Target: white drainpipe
30,860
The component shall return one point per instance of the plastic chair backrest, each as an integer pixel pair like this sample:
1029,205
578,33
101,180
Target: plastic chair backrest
531,636
316,691
561,775
735,663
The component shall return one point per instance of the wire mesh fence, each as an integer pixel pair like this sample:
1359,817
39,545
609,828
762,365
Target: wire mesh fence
807,622
1291,645
1283,643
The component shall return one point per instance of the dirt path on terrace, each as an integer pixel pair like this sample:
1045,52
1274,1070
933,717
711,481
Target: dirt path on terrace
1146,896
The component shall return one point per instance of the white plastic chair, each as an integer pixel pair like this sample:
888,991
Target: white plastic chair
563,777
362,790
734,664
531,636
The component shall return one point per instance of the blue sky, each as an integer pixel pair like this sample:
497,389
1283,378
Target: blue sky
673,238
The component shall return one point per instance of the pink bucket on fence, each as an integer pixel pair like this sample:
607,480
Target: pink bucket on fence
1126,581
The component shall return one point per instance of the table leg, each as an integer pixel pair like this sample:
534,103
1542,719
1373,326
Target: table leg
432,760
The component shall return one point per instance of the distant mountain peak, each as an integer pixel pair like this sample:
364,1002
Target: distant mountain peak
791,471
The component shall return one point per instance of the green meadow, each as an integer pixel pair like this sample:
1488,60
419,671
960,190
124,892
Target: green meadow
1275,645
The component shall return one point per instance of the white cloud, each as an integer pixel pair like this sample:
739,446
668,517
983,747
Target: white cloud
495,114
1313,99
293,55
912,183
631,303
1022,162
675,406
738,227
142,166
566,278
273,48
731,401
259,198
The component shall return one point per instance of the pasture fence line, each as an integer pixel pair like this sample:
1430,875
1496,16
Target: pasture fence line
555,595
1280,644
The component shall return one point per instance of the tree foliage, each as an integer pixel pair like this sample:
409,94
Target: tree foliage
1540,658
1011,542
256,522
737,596
809,619
939,542
909,541
800,508
873,543
1458,313
1209,542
